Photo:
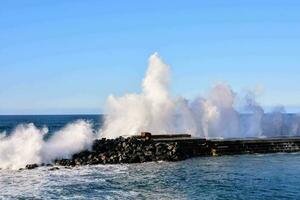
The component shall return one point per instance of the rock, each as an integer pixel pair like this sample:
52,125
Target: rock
102,157
170,146
146,135
54,168
125,150
124,145
77,162
148,153
31,166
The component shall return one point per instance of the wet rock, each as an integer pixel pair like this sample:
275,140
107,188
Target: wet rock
31,166
54,168
125,150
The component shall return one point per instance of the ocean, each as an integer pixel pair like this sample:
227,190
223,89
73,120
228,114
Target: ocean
52,122
269,176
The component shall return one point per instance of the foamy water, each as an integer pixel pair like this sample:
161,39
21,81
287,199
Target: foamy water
273,176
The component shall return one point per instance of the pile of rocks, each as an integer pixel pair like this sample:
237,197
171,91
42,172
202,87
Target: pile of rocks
125,150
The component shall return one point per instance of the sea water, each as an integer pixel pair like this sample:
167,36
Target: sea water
269,176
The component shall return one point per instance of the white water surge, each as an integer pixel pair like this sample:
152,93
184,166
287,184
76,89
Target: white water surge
27,146
157,111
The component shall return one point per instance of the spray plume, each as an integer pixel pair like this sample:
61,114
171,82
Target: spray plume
26,144
156,111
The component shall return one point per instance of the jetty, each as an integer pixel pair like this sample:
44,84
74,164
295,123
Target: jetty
217,147
147,147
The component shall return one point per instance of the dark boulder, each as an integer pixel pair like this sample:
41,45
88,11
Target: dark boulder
31,166
54,169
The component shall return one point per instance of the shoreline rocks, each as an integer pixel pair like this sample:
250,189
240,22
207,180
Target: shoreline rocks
125,150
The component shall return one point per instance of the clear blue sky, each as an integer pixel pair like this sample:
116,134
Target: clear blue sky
67,56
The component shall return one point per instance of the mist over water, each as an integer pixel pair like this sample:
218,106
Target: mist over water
157,111
154,110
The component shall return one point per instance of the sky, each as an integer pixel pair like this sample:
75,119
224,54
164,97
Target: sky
67,56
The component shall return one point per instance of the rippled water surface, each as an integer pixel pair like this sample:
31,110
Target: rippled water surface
272,176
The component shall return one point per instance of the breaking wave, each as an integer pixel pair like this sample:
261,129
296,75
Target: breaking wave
157,111
26,144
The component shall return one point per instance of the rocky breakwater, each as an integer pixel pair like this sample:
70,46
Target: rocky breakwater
126,150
